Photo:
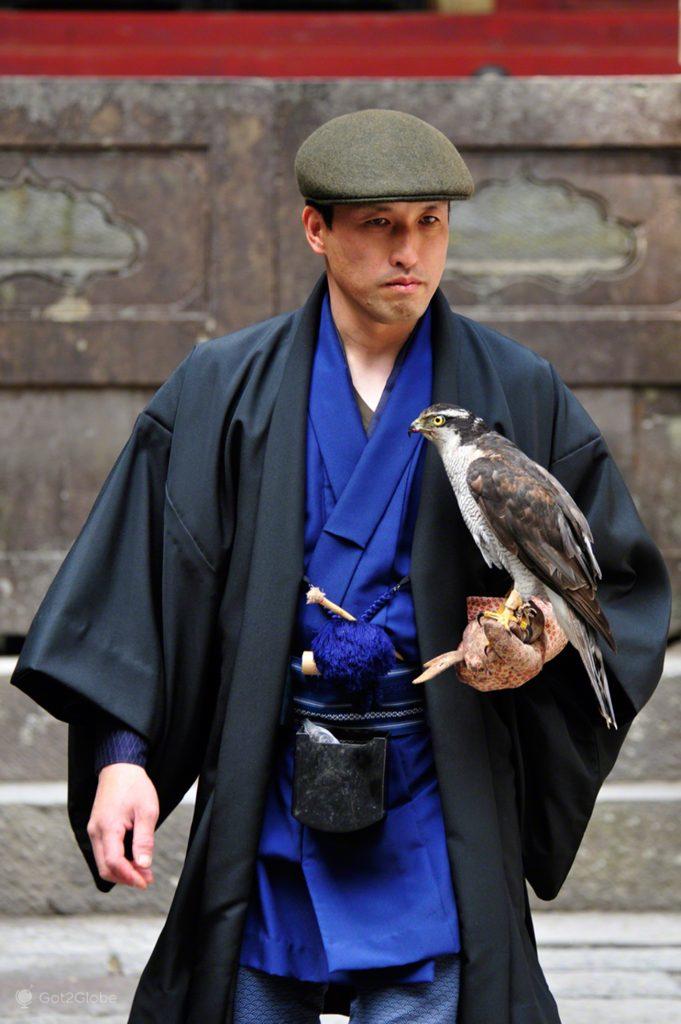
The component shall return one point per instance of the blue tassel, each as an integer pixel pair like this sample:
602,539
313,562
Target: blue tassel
352,654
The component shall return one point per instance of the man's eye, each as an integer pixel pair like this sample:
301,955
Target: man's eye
376,220
431,217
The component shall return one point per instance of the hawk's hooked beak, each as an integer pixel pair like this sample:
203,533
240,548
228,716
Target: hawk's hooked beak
416,426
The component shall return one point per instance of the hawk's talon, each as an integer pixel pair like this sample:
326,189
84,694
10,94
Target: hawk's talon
505,616
535,621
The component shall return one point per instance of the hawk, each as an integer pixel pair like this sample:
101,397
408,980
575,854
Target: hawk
524,521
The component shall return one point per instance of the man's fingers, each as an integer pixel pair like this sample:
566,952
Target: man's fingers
126,800
115,861
143,837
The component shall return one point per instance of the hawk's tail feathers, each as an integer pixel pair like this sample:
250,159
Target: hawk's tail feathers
592,657
586,604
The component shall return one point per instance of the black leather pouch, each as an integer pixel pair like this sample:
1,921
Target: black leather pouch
339,787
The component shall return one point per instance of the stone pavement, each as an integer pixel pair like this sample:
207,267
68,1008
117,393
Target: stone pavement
603,968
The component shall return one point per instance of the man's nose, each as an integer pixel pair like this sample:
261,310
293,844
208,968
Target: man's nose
404,252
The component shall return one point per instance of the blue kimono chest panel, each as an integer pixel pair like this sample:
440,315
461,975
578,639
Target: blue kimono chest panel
373,906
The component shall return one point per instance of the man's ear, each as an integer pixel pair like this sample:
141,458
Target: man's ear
313,222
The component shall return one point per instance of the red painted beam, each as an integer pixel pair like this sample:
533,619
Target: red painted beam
603,42
584,5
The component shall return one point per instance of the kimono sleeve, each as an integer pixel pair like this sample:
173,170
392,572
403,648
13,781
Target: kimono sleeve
96,642
567,749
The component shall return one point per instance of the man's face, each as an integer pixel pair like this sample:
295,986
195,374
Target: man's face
371,246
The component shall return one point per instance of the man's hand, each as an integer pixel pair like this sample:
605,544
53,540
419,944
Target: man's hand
491,658
126,798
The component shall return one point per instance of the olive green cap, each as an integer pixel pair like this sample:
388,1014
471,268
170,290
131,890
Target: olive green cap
380,155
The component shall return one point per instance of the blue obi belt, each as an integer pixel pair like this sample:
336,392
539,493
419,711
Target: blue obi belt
398,705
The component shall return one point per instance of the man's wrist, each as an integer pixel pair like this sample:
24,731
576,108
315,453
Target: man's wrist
119,764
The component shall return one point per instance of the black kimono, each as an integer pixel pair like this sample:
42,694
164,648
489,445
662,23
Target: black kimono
173,611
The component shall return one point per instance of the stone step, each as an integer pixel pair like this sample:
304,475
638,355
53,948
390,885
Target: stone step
652,749
42,870
629,858
79,968
595,930
34,743
613,968
617,1011
607,959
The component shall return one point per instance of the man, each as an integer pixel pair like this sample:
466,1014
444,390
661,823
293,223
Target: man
256,470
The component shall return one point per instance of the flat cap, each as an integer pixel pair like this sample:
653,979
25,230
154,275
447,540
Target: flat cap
375,154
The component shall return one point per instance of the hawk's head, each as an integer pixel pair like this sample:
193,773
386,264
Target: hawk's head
449,426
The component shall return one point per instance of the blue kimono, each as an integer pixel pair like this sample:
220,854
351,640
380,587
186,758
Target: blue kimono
375,906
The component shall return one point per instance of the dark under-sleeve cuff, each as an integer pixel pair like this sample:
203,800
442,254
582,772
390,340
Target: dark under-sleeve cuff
118,744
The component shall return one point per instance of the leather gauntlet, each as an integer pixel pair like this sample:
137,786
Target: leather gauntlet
493,658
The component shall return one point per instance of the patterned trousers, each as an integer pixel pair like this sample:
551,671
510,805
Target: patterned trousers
262,998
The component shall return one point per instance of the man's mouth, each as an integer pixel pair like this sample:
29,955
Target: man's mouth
403,285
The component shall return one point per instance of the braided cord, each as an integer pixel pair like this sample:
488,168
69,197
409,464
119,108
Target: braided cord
373,608
381,601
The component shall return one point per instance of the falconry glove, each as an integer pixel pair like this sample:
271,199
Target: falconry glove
490,657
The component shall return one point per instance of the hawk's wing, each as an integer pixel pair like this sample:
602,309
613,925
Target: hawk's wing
535,518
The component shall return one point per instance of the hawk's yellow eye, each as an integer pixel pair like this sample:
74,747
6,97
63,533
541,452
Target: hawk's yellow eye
438,421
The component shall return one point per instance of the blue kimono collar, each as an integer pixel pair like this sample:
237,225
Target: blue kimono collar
364,473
